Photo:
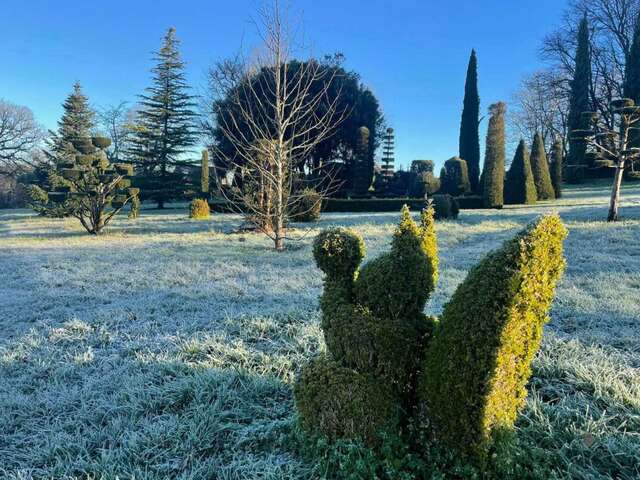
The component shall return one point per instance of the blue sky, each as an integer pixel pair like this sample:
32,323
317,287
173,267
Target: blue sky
412,54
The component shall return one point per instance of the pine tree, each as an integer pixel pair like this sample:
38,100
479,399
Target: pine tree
166,129
519,187
579,102
494,160
77,121
556,166
204,173
469,126
540,169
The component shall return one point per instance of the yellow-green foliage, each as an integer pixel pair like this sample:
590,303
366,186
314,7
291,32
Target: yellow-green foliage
373,319
479,361
199,209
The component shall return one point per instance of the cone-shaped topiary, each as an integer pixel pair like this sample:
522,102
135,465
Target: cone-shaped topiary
519,187
454,177
540,170
557,163
374,327
479,361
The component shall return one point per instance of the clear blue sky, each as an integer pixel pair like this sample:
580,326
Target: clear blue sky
412,53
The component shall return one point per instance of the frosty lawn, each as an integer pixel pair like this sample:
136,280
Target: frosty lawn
167,347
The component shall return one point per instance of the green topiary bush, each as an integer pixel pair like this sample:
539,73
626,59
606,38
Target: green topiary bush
454,177
373,322
479,361
445,206
307,207
338,402
519,186
199,209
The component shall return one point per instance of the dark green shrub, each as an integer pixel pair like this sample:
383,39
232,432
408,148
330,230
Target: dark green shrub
557,164
423,184
454,177
445,206
540,169
470,202
341,205
519,186
307,206
479,361
199,209
340,403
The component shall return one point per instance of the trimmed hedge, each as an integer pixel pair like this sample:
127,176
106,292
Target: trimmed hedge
308,206
478,364
470,202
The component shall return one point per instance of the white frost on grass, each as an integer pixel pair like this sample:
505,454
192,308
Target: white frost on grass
167,347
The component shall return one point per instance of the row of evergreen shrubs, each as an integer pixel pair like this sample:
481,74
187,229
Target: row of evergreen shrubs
390,370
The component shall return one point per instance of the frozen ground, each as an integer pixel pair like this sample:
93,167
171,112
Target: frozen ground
167,347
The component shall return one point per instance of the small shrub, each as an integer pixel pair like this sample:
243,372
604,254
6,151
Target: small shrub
199,209
477,366
308,206
445,206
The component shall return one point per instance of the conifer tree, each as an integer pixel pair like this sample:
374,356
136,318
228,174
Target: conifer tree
632,77
540,169
166,129
579,102
556,166
494,160
77,121
469,126
362,176
519,187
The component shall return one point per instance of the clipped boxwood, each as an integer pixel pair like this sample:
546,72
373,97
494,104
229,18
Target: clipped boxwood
445,206
479,361
342,403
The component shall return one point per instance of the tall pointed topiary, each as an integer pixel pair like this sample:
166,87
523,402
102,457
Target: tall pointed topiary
494,159
479,361
540,169
557,163
362,171
631,86
519,186
579,102
469,126
375,331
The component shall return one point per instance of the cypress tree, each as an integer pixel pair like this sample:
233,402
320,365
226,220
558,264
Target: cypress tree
556,166
540,169
579,102
166,129
632,77
469,126
519,187
493,174
204,172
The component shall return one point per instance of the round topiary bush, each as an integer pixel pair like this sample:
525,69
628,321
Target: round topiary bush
454,177
341,403
199,209
445,206
338,252
307,207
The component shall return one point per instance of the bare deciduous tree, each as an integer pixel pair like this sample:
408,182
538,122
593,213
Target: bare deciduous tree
20,135
541,105
117,123
281,126
612,147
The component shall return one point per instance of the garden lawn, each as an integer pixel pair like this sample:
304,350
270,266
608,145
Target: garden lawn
167,347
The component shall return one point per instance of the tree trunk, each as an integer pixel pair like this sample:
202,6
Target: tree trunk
614,206
279,237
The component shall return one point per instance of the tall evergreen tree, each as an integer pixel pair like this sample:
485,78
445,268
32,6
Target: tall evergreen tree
519,187
556,166
361,175
579,102
77,121
166,129
494,160
469,126
540,169
632,68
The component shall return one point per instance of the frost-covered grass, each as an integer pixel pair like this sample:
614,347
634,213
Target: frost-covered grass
167,348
